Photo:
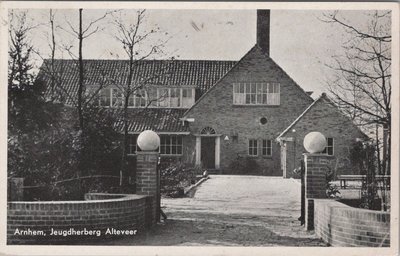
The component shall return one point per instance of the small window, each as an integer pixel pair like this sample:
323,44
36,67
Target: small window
266,148
207,130
263,120
329,149
253,148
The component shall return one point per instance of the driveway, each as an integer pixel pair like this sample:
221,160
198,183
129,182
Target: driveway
233,211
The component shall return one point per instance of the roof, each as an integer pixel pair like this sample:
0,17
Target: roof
298,118
199,73
320,98
156,119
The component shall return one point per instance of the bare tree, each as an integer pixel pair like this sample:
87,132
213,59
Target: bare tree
361,86
138,45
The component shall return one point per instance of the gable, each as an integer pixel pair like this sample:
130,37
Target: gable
324,116
255,66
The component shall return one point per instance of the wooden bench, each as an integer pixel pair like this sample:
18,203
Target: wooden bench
379,178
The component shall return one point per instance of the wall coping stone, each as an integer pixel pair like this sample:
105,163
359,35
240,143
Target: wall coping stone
113,198
337,204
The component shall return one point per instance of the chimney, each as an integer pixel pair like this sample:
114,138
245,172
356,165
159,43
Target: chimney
263,24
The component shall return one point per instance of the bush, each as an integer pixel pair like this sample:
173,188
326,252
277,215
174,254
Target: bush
244,165
332,191
175,177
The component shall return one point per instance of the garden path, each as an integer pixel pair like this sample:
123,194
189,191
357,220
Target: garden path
229,210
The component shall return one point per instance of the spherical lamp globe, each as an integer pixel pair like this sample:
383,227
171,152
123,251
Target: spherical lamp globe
148,140
314,142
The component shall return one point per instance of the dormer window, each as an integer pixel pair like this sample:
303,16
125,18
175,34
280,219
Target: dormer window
175,97
152,97
256,94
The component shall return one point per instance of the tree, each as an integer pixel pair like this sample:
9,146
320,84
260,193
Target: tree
132,36
23,95
361,86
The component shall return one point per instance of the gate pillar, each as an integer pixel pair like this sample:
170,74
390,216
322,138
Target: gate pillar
148,175
316,167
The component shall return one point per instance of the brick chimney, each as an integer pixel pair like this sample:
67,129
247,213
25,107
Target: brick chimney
263,27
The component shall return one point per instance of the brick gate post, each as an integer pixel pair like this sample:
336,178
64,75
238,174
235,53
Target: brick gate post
148,183
316,167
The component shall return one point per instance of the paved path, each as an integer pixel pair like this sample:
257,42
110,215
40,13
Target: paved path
233,211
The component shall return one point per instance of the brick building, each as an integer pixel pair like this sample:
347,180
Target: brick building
217,112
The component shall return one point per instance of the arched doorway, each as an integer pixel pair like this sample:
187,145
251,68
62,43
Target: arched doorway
208,148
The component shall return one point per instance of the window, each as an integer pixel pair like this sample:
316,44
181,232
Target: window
266,147
114,97
138,98
163,97
329,147
256,93
132,144
117,98
187,97
175,97
105,97
263,120
171,145
253,149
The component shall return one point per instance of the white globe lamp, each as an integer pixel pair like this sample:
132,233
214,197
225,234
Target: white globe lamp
314,142
148,140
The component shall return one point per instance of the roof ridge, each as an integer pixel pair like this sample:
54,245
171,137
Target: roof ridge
147,60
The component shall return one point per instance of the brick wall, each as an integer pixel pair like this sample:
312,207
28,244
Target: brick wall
344,226
325,118
216,110
98,212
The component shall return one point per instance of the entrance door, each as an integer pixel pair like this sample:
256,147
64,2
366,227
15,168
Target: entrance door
208,152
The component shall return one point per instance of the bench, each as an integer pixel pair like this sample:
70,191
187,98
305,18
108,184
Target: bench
379,178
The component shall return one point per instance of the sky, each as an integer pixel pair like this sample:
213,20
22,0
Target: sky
299,41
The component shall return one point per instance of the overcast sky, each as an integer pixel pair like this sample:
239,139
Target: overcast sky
300,42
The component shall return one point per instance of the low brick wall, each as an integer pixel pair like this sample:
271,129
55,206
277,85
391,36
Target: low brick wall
341,225
34,222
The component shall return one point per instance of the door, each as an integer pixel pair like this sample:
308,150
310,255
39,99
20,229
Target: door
208,152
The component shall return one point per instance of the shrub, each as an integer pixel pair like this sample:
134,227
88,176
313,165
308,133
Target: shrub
244,165
175,177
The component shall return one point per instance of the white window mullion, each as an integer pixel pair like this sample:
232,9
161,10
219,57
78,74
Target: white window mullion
181,98
169,97
158,97
111,97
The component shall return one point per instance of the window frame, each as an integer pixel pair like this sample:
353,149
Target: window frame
252,92
132,143
266,147
326,149
252,147
137,99
177,91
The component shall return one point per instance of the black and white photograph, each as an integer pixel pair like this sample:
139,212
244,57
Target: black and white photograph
218,125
